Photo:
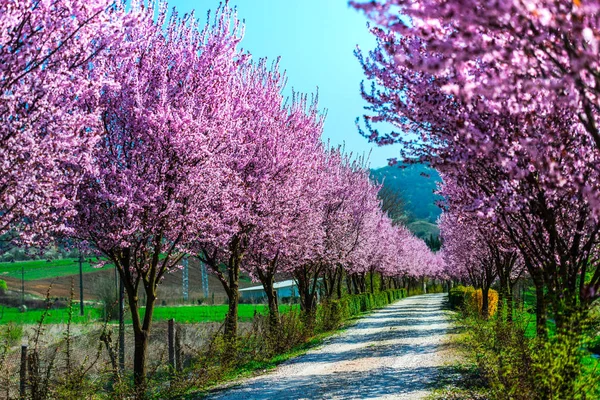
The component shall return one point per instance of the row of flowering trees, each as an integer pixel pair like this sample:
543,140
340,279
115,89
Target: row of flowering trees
147,137
502,98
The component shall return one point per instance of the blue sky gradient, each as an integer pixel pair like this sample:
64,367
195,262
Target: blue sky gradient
316,40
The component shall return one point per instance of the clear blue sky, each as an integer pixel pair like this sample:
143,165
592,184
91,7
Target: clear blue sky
316,40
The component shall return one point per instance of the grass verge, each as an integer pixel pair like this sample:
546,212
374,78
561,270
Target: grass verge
182,314
43,269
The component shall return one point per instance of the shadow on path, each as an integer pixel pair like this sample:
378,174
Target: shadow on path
392,353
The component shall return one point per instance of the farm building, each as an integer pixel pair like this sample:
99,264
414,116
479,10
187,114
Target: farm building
285,289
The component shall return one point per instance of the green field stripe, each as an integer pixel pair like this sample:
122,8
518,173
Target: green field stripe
183,314
42,269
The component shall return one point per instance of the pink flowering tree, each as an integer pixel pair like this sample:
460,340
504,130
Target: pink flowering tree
266,145
284,231
50,81
458,223
350,230
520,150
468,254
155,165
536,55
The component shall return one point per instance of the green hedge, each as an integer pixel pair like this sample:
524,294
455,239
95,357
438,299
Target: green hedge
457,295
462,296
332,313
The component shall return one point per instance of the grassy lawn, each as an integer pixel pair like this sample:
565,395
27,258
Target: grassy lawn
55,316
185,314
42,269
216,313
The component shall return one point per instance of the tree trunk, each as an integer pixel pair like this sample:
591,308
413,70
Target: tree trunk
355,283
363,282
339,283
141,333
268,282
540,311
307,290
509,304
371,279
231,319
139,362
485,302
503,296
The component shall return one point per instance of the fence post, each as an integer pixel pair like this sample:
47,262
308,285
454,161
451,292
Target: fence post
171,340
23,372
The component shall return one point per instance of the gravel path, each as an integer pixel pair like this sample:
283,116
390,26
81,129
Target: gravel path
394,353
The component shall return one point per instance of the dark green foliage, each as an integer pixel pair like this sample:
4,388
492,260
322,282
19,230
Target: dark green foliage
456,297
417,184
433,242
516,366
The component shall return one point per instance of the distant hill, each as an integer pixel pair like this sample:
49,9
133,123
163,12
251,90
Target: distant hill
416,183
423,229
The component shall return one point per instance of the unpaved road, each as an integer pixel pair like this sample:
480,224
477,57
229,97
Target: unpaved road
394,353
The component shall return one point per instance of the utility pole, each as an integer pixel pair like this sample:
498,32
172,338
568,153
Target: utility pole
185,276
204,280
81,309
22,286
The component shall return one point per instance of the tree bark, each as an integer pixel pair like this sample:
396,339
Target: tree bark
307,278
268,281
349,283
540,311
339,283
231,319
485,301
141,333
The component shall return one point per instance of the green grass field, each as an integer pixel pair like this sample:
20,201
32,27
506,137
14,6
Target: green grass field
185,314
216,313
57,316
42,269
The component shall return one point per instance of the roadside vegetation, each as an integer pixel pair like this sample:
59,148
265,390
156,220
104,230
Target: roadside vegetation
183,314
502,358
79,360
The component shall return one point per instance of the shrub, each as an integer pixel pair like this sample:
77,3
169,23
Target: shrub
3,287
332,313
466,296
477,299
457,296
11,335
517,367
106,291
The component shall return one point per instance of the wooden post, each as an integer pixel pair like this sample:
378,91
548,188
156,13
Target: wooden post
171,344
23,372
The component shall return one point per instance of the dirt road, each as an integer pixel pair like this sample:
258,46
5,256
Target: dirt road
395,353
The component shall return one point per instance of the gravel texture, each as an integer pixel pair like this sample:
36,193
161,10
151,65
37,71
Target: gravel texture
394,353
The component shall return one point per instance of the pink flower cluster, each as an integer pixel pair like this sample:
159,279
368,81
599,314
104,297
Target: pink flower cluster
502,98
